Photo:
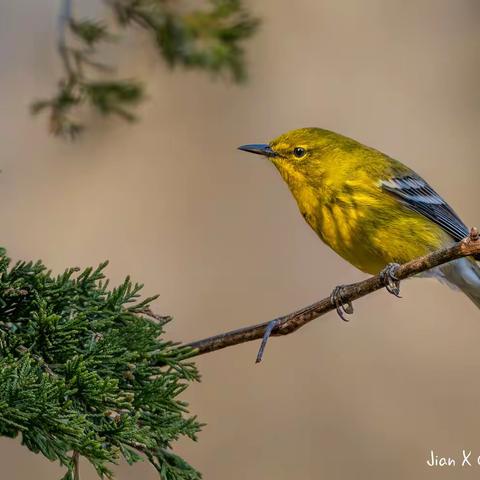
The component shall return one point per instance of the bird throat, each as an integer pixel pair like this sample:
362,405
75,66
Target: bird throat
318,206
305,194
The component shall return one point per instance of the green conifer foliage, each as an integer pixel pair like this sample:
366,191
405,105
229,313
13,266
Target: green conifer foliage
84,371
206,37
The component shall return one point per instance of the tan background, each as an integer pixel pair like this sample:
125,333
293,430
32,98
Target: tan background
215,232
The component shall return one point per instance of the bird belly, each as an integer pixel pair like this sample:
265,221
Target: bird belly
372,239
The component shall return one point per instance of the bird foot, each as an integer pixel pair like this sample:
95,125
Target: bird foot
342,307
392,283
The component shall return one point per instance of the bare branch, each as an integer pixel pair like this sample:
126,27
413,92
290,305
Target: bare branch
76,465
64,19
291,322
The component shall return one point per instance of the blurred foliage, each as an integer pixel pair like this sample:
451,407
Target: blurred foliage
84,371
208,39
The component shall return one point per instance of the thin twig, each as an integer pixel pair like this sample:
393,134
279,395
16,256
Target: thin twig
293,321
64,19
76,465
160,319
41,362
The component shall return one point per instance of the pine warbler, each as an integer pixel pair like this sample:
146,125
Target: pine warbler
369,208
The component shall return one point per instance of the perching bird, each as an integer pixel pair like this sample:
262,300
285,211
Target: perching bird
369,208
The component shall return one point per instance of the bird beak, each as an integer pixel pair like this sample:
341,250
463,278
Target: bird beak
259,149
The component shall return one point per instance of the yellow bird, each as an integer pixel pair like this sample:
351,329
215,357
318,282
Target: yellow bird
371,209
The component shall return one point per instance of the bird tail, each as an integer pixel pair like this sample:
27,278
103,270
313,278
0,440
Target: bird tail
462,274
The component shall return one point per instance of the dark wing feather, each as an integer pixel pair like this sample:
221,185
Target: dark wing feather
417,194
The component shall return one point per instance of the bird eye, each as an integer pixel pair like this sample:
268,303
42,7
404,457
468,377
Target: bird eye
299,152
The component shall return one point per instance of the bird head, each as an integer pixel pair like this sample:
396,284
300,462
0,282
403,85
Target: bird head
299,154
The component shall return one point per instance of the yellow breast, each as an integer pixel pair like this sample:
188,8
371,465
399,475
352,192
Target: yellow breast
358,220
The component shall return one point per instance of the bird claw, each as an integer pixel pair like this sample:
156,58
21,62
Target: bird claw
392,283
342,307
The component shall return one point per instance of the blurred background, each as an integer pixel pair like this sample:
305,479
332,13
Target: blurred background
216,233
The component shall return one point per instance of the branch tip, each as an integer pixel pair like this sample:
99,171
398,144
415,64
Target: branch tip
474,236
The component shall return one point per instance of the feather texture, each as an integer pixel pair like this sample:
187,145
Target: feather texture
368,207
418,195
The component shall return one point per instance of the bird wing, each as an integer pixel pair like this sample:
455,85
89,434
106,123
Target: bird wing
418,195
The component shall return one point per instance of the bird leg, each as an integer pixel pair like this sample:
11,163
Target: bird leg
342,307
392,283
